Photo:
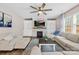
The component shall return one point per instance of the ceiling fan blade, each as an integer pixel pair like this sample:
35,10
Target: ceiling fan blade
43,5
47,10
44,13
34,7
39,8
38,14
33,11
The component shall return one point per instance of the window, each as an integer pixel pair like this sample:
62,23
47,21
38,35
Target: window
77,23
68,23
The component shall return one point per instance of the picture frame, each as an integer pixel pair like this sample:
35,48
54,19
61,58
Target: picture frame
1,20
5,20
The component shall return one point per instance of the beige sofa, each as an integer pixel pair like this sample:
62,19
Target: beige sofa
9,41
68,41
50,35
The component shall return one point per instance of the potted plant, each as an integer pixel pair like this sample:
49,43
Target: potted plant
45,37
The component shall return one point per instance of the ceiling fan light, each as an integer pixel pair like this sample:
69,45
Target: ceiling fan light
40,12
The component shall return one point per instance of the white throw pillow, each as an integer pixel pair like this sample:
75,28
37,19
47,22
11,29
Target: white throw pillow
9,37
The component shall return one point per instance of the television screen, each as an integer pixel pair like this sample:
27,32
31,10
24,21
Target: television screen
38,23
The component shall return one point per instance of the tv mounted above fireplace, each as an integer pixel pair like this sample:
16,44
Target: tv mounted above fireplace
39,23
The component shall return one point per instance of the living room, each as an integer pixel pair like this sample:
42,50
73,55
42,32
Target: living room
39,29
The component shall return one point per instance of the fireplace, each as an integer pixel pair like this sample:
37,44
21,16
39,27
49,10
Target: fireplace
39,34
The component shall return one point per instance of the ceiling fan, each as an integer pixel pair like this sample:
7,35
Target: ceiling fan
40,10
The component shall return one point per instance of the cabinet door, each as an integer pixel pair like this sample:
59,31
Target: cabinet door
27,27
51,26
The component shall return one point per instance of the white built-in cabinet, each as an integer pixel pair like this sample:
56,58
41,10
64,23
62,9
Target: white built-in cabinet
28,25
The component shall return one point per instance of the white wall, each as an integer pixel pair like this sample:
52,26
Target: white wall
51,26
72,11
17,23
28,27
60,23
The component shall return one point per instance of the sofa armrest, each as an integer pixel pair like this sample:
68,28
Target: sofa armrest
22,43
51,36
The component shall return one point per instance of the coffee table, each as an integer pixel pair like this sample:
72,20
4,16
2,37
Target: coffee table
49,46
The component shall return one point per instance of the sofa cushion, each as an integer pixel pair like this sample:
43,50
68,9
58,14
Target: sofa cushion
61,40
73,37
63,34
56,33
8,38
22,43
49,35
70,36
67,43
7,45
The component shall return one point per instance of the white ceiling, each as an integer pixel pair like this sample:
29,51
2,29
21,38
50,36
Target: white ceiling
24,9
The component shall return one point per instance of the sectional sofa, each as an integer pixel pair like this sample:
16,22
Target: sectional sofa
68,41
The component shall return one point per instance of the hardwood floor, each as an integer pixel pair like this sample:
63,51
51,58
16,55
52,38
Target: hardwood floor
16,52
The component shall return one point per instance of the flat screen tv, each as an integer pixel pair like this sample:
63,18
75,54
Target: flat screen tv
39,23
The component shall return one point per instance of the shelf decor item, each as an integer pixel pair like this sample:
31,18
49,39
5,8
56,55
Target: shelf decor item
45,37
5,20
